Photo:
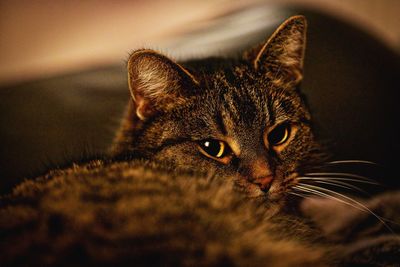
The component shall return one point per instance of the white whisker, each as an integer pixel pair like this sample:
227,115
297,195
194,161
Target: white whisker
322,194
325,178
358,205
318,193
299,195
353,161
335,183
340,174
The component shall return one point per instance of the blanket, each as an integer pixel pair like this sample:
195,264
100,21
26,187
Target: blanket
367,231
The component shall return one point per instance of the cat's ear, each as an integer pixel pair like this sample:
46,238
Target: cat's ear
157,83
284,50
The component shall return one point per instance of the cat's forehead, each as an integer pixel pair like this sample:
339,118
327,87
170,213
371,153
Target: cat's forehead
243,100
238,90
243,80
229,104
248,99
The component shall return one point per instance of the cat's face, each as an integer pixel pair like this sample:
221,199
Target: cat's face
244,120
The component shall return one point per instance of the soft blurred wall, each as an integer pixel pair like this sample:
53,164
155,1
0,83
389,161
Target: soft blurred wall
46,37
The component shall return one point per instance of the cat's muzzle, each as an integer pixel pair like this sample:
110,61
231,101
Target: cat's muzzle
264,182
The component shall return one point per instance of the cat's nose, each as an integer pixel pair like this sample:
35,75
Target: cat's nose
264,182
260,174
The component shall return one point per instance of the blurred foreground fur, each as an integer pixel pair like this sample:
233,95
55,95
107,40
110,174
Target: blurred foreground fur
140,214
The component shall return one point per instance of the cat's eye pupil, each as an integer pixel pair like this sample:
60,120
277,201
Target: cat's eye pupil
214,148
279,135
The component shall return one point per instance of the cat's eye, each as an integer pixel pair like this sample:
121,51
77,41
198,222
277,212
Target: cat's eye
279,135
215,149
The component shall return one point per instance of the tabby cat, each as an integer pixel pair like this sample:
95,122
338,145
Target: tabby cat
200,171
242,118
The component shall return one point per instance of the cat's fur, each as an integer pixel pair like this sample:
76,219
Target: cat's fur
158,200
236,100
142,214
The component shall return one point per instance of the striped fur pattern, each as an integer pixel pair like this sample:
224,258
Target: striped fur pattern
236,100
158,200
144,214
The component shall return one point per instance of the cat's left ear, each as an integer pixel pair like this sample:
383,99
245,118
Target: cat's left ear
284,50
157,83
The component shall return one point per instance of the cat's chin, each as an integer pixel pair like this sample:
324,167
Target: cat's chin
254,191
274,199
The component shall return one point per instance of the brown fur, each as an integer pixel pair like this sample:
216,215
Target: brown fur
143,214
238,101
130,210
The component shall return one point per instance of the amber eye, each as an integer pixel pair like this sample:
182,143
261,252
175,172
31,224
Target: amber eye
214,148
279,135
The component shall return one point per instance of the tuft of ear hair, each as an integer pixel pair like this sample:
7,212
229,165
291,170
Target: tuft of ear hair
157,83
284,50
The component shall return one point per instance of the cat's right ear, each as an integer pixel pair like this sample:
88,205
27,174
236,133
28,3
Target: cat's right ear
157,83
282,55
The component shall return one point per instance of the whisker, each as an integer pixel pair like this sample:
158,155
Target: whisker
390,221
299,195
340,174
325,178
335,183
353,161
358,205
318,193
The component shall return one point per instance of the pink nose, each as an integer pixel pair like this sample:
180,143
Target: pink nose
264,182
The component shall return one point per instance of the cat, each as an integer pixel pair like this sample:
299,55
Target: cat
201,172
242,117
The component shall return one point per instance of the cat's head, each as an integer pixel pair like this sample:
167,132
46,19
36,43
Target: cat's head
241,118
